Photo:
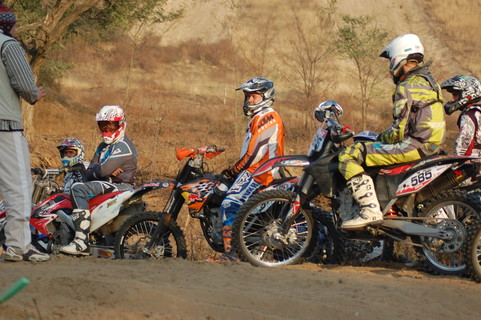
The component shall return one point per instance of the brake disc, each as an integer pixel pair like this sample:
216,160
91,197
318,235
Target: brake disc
452,236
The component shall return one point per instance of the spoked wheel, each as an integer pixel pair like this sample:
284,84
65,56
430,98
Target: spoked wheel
133,238
472,252
258,237
445,257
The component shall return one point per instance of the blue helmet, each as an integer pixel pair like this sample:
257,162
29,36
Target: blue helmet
74,144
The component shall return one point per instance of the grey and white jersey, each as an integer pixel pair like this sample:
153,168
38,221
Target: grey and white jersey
109,157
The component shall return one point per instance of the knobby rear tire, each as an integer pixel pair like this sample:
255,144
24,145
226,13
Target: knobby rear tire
457,204
329,248
472,251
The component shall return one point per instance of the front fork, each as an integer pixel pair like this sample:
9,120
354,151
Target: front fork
303,188
172,210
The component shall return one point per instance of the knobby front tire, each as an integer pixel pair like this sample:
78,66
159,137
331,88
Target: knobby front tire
136,233
255,233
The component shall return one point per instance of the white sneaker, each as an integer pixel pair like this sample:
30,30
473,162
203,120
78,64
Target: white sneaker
14,254
35,255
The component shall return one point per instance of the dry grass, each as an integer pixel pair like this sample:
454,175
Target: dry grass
183,94
457,21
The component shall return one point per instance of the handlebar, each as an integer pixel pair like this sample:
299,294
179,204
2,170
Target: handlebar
341,134
53,171
207,152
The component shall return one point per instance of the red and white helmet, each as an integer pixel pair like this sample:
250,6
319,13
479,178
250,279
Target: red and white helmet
111,122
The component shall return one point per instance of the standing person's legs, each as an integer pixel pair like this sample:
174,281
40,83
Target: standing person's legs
16,188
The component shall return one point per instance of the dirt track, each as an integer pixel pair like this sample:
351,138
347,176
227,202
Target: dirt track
88,288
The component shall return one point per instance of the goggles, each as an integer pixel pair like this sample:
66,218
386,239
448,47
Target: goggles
108,126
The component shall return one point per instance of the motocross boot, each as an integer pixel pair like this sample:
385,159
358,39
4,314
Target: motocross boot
228,255
79,245
363,191
227,238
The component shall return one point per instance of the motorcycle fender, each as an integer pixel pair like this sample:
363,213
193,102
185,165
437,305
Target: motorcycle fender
158,184
108,209
118,221
282,161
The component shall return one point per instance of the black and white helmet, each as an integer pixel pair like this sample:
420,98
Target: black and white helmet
468,89
259,85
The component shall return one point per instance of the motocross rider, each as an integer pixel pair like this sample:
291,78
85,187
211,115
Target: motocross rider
113,168
417,131
72,155
466,95
263,140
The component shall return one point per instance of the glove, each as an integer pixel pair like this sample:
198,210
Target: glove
231,173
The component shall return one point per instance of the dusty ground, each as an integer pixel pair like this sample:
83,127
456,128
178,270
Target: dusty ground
95,288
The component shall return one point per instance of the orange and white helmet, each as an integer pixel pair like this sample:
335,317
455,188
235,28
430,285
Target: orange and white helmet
112,123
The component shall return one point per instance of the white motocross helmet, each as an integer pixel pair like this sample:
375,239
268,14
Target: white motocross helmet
258,85
112,123
399,50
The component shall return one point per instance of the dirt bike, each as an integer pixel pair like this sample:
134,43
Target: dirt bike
52,225
202,191
420,202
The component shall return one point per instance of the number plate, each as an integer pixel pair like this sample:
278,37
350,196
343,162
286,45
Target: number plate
318,140
420,178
